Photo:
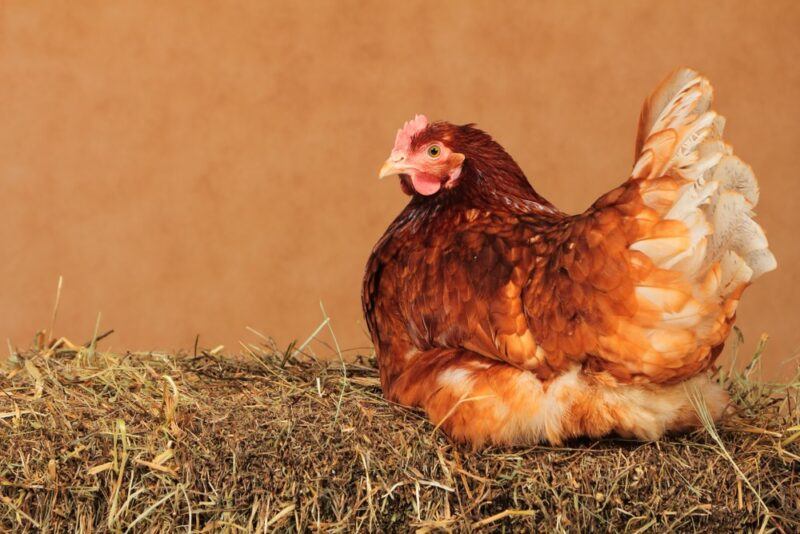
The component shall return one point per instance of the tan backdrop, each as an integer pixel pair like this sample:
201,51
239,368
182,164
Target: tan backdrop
197,167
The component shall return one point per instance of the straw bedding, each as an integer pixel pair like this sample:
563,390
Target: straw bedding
272,440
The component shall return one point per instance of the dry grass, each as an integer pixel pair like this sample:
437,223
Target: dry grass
94,441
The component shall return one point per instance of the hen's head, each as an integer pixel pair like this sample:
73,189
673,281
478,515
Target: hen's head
436,159
423,158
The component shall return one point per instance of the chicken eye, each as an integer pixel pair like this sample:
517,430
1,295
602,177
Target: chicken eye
434,151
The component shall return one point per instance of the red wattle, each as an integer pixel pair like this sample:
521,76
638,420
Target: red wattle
425,184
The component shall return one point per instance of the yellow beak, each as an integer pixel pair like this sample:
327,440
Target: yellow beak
392,167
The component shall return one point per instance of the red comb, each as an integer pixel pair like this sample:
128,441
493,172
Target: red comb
411,128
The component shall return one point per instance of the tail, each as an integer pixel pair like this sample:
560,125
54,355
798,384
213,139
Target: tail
679,137
697,242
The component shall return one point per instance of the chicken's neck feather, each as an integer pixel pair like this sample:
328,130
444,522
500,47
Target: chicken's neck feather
501,185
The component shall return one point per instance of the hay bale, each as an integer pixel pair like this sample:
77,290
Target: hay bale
96,441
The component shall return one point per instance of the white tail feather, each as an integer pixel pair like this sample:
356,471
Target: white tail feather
716,203
690,175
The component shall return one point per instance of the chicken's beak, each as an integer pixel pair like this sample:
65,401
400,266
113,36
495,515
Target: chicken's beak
392,167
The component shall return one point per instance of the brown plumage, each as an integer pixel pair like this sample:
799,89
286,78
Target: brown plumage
508,321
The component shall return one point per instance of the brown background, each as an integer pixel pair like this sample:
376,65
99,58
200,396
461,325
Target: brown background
196,167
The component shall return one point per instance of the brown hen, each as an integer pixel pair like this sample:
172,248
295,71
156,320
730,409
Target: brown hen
510,322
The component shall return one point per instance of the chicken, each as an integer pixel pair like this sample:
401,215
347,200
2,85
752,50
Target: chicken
510,322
